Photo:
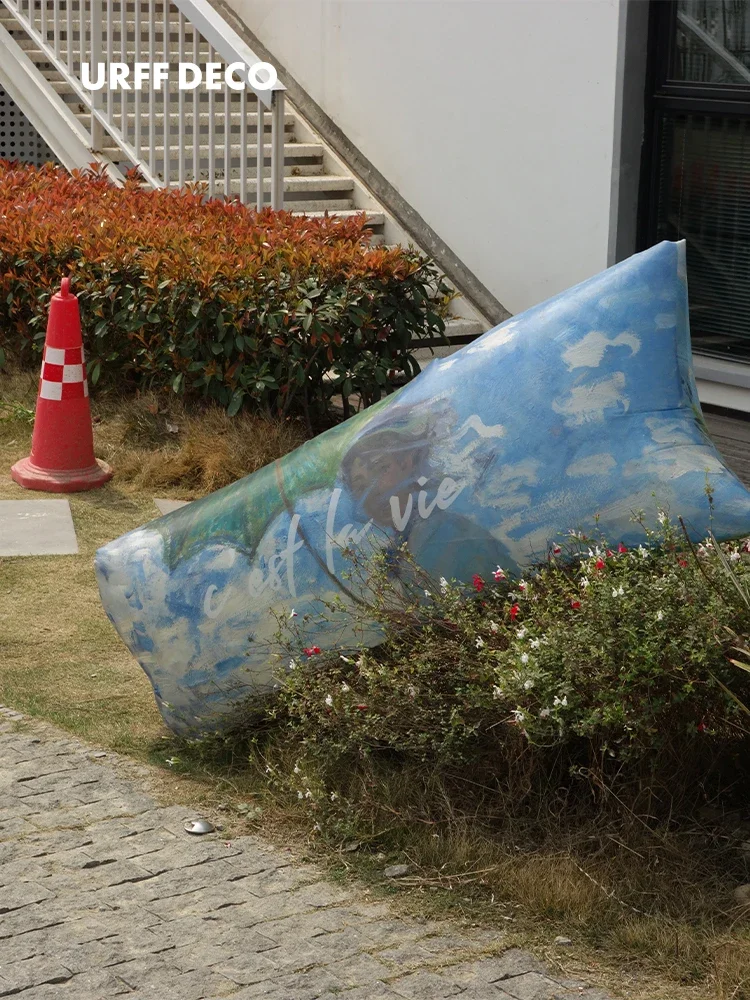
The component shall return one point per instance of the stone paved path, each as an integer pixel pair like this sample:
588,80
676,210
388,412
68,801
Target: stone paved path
103,894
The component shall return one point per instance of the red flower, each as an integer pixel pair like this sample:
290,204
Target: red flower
701,726
575,604
683,562
622,548
610,554
478,583
600,563
556,550
311,650
362,708
514,612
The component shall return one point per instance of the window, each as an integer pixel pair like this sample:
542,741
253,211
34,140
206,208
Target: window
698,173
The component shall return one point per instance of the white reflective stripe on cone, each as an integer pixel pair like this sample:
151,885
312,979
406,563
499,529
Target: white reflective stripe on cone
54,355
51,390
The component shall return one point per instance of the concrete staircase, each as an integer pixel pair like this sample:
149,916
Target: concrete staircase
208,137
314,181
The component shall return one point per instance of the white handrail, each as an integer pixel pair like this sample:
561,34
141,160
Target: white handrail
209,161
225,40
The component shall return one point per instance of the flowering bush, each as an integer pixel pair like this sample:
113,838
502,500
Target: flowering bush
207,297
619,656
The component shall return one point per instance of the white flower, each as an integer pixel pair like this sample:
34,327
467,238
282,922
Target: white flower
524,658
329,700
528,684
518,715
584,582
308,794
618,592
521,632
660,616
300,795
292,664
497,692
494,627
479,642
661,517
734,555
296,768
561,701
544,714
345,687
427,593
443,584
643,553
535,643
411,691
334,796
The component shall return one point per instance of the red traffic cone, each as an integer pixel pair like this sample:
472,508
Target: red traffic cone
62,448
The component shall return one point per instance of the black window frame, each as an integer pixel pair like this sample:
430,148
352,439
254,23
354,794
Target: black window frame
663,94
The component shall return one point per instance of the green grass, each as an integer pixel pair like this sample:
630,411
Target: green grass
61,661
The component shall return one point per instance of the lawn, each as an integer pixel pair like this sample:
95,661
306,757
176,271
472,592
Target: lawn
61,660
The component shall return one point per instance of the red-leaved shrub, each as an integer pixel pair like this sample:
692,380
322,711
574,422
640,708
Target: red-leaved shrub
210,297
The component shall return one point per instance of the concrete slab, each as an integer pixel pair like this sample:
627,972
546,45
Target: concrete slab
167,506
36,528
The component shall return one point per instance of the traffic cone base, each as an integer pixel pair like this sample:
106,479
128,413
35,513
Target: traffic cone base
31,477
62,456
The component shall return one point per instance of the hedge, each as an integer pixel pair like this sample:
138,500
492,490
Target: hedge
209,297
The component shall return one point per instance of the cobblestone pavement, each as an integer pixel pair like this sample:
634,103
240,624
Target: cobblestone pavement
103,894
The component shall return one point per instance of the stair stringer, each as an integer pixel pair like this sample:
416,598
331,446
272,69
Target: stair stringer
47,112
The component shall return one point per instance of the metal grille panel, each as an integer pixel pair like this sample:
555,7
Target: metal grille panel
19,140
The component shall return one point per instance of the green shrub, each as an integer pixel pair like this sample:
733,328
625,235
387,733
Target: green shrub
208,297
614,662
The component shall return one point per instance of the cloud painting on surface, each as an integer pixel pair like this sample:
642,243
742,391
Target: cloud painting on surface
583,406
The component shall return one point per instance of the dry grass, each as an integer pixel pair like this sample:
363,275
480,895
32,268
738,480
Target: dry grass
61,660
155,443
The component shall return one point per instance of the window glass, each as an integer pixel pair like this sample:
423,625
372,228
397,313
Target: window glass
704,198
712,42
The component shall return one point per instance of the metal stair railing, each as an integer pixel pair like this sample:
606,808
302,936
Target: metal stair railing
53,26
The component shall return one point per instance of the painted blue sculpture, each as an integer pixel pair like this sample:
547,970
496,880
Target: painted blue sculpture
582,406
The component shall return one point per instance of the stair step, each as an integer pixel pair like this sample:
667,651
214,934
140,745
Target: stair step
204,96
305,186
304,206
292,150
203,120
373,218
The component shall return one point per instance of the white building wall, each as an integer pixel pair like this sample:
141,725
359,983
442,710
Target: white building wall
493,118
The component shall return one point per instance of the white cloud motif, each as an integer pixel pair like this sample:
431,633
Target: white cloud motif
592,465
587,403
589,351
665,320
495,338
671,463
671,431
